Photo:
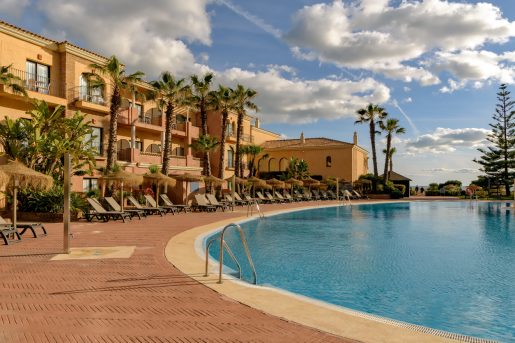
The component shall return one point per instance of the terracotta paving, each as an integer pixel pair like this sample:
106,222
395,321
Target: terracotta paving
138,299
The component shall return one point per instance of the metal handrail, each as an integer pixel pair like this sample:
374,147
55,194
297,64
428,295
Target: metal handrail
223,244
250,208
229,251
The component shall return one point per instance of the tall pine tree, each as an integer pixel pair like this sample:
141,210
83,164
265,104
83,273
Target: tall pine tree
498,160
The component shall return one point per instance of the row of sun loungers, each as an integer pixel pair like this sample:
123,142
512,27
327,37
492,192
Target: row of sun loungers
9,233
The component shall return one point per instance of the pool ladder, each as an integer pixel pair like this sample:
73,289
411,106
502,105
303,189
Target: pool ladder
250,209
223,246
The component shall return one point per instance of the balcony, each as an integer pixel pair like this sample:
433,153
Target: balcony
37,87
231,137
90,98
149,122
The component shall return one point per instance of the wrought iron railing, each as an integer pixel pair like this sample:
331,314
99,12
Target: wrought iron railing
37,83
94,95
244,137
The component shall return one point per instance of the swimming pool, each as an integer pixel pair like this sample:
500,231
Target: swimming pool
444,265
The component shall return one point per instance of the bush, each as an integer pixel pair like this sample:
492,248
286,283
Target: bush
432,193
402,188
396,194
51,201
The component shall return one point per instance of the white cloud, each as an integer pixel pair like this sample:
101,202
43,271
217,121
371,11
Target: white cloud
407,100
284,99
145,35
447,170
393,40
13,7
444,140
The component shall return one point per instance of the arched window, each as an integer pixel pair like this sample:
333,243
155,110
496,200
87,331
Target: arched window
230,158
283,164
153,148
328,161
271,165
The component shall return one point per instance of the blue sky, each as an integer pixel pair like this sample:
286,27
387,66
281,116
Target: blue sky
433,64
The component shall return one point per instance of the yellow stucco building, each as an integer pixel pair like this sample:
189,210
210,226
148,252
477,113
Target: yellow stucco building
56,72
325,157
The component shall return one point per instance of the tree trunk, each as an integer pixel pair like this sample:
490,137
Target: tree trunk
373,144
222,145
116,102
386,157
207,164
239,132
168,138
391,164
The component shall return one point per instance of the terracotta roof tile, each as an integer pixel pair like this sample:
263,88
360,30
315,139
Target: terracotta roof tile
308,142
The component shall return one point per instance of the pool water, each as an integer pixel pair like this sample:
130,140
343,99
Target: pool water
444,265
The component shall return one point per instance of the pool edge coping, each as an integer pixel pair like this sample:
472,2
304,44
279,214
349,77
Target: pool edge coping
186,253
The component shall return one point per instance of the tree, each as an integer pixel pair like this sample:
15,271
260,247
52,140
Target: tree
498,160
393,150
42,141
371,114
243,101
297,169
168,93
391,127
10,80
222,100
201,89
251,151
119,80
205,144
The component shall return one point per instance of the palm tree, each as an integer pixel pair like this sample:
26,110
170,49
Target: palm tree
10,80
242,101
391,127
251,151
222,100
168,93
205,144
200,96
119,80
393,150
370,115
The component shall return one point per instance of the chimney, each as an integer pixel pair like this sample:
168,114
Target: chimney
302,140
256,123
355,138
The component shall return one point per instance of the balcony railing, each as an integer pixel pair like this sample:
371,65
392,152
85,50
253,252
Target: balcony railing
37,83
151,119
245,138
94,95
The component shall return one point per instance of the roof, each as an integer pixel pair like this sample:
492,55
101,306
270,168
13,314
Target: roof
308,142
35,35
393,176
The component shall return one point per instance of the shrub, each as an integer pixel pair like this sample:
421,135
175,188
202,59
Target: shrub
48,201
396,194
402,188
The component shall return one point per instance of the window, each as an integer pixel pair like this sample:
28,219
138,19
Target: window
154,148
230,158
139,145
141,115
38,77
89,184
95,139
328,161
179,151
90,93
180,119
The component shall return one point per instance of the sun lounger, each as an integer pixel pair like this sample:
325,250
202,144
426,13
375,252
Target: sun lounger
237,197
323,195
236,202
358,195
265,200
290,198
26,226
298,196
251,200
331,195
213,201
116,207
202,204
147,209
6,231
168,202
281,198
153,203
102,213
316,196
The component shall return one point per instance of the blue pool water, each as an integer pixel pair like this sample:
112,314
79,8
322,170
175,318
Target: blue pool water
445,265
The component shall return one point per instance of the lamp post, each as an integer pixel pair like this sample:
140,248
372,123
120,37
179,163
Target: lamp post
66,213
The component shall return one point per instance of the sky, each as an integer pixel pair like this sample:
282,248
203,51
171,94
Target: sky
435,65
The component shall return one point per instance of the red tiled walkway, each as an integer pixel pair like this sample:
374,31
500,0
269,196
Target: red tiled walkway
139,299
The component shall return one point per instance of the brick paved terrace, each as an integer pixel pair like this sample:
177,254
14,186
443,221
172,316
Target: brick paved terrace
142,298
